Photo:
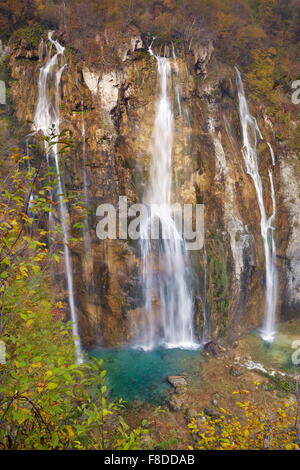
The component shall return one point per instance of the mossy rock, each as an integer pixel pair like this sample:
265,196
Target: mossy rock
282,384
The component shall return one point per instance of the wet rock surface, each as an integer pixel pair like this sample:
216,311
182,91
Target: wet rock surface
117,107
177,381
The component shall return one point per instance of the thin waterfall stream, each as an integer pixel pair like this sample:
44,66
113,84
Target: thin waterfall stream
250,132
46,119
169,308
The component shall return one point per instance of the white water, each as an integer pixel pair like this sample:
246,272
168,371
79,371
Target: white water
250,131
47,117
272,153
169,306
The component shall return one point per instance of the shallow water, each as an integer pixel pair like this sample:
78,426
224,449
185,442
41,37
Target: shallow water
277,355
137,375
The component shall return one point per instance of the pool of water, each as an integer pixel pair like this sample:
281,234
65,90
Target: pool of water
137,375
278,354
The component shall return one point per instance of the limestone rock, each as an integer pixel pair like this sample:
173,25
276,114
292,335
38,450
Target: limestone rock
202,54
291,193
176,381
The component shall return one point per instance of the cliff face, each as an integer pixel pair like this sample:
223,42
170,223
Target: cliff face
111,116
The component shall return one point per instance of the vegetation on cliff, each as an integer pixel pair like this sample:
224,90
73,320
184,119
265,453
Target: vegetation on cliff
259,36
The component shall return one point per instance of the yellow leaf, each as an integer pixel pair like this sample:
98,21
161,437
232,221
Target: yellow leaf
36,364
52,385
70,431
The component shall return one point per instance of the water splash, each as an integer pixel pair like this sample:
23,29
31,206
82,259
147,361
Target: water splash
169,308
250,132
46,118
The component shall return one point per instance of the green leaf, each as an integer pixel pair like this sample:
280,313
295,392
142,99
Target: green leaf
52,385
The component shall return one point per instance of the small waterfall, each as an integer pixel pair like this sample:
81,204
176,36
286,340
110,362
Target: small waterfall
46,119
250,131
271,153
169,308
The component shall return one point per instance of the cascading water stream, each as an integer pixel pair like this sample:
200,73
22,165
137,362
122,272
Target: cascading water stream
46,119
169,306
250,131
271,153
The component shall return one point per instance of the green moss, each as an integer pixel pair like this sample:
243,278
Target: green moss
4,70
282,384
141,55
218,294
30,35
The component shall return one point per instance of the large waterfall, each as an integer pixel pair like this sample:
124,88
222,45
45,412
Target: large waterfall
46,119
251,131
169,306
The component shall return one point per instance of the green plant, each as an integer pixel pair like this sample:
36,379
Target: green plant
129,439
29,35
46,401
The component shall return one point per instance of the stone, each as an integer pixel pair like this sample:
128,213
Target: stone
106,86
177,381
202,55
212,412
291,193
176,402
191,413
216,396
236,371
91,80
213,348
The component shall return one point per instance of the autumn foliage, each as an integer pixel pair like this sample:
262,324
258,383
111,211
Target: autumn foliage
256,427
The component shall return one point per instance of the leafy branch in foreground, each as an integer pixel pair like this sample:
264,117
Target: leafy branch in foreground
46,401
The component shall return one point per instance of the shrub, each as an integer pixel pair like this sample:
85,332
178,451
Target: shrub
258,427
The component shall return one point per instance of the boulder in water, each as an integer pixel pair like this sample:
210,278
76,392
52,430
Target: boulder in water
177,381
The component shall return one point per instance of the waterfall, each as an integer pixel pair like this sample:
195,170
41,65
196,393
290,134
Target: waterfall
271,153
169,308
251,132
46,119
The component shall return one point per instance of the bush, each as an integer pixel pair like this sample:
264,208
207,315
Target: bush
259,427
30,36
46,400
